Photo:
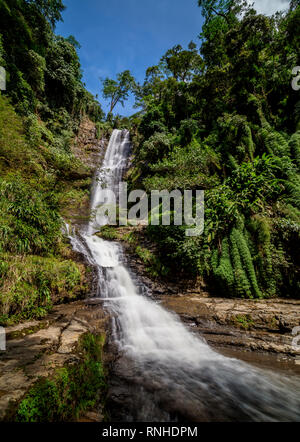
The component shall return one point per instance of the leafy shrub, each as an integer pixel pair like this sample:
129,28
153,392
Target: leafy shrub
31,285
29,221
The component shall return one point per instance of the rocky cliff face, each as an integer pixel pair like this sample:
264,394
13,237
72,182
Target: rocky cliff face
88,147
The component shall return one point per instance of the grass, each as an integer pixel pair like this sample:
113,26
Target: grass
31,285
109,233
244,321
153,264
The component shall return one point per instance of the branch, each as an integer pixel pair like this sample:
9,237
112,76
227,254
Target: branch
221,15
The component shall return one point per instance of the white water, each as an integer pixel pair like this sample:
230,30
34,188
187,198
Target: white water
175,372
109,175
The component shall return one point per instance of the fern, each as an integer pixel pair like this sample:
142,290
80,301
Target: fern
274,142
295,147
247,260
242,283
293,191
232,162
225,271
249,141
261,227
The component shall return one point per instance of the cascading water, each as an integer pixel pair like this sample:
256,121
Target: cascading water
109,175
164,372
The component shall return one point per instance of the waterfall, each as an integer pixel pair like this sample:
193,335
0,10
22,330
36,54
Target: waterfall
110,174
169,373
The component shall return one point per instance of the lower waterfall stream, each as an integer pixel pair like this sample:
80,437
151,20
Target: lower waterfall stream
165,372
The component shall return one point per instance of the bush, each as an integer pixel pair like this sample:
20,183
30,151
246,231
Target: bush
29,220
31,285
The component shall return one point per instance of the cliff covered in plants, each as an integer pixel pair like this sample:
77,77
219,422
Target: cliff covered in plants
40,113
226,119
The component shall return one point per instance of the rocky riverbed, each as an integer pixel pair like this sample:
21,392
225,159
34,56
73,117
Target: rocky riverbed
264,325
36,349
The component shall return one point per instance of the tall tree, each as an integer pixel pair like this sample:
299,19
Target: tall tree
51,9
117,91
182,64
215,7
222,8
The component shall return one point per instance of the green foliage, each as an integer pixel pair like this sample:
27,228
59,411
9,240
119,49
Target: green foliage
228,123
104,129
238,239
153,264
31,285
29,220
43,69
244,321
176,250
1,52
72,391
242,283
222,268
118,90
51,9
295,147
183,168
40,113
156,147
37,72
109,233
182,64
63,75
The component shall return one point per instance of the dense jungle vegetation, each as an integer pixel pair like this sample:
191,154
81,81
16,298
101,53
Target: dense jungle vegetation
40,112
226,119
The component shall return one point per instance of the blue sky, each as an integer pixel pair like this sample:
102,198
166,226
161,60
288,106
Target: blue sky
133,34
127,34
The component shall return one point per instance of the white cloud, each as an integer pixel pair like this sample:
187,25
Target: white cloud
269,7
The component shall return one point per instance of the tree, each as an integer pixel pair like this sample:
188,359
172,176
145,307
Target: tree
215,7
72,40
51,9
223,123
182,64
222,8
118,90
294,4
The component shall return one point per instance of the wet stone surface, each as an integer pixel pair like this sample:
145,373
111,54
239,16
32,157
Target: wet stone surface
36,348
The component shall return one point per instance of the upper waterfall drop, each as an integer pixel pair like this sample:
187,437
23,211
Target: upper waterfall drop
109,175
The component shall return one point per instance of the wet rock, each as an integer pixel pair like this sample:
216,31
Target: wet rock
260,325
87,147
70,336
36,348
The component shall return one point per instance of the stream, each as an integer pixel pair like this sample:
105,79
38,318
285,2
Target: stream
164,372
